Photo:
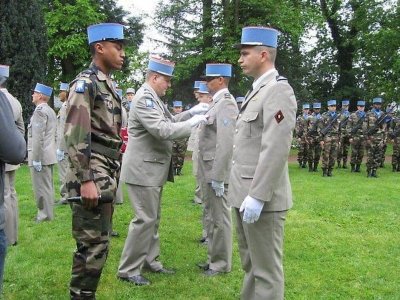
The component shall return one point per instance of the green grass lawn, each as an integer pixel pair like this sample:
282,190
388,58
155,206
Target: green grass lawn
341,242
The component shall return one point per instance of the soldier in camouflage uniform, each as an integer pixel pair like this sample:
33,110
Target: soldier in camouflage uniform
93,143
329,135
301,134
355,130
314,151
179,146
388,120
344,142
375,131
394,134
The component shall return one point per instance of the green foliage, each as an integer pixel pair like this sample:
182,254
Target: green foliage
23,46
341,242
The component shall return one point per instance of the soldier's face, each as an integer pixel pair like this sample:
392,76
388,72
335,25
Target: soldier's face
332,108
177,110
114,54
204,98
130,96
250,60
361,108
36,98
196,95
306,111
63,96
161,84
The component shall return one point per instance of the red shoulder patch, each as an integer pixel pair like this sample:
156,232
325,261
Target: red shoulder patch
279,116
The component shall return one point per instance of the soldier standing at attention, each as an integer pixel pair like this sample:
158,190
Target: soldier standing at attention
62,154
130,93
329,135
10,194
355,130
394,134
314,146
301,133
260,191
147,166
42,151
93,143
214,165
179,146
344,142
375,132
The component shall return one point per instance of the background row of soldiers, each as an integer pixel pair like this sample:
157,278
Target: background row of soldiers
332,133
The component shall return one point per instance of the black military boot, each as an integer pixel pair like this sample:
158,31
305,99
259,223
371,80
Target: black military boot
358,168
179,171
368,172
338,165
310,168
373,174
324,172
329,173
315,169
344,165
303,165
353,168
394,168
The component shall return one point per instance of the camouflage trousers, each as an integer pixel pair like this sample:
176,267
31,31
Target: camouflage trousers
383,154
329,151
178,153
357,150
314,150
302,155
343,150
396,151
91,228
374,150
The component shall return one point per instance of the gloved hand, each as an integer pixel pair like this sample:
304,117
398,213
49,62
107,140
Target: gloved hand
60,154
196,120
37,165
218,187
200,108
252,209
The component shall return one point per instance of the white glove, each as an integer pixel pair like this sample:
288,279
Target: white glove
198,109
252,209
37,165
197,119
60,154
218,187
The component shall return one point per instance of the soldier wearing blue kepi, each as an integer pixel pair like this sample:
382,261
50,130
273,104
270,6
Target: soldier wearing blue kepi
239,101
344,143
355,130
314,147
62,154
147,165
260,192
214,165
375,132
93,143
42,151
301,134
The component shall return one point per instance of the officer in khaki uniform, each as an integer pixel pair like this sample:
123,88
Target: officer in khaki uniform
42,151
259,186
10,194
214,164
93,143
62,154
147,165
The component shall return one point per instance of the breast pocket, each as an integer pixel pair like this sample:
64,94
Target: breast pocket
250,128
104,103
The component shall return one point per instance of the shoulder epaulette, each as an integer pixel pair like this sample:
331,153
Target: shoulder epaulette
280,78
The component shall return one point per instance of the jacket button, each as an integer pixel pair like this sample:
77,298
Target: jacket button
233,162
236,130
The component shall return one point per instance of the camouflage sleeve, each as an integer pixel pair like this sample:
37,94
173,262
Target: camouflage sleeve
39,120
77,131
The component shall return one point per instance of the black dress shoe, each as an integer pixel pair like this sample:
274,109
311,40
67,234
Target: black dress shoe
204,266
211,273
136,280
165,271
203,239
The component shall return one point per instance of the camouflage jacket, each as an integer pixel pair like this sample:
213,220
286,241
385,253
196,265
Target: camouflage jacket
93,120
394,130
326,119
301,126
371,119
344,122
312,125
356,126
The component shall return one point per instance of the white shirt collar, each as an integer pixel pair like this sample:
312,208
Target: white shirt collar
224,90
258,81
